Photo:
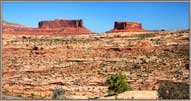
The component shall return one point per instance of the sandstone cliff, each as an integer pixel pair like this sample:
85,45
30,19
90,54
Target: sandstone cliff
127,27
61,23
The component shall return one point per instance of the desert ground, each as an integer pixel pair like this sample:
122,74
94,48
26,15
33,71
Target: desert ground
35,65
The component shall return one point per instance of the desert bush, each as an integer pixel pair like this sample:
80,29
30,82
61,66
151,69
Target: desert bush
57,93
35,48
144,60
24,37
182,53
136,66
143,36
117,84
171,90
162,30
158,42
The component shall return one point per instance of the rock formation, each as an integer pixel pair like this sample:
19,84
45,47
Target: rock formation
61,23
65,26
59,26
127,27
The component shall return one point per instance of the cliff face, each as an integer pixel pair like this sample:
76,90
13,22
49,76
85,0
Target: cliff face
49,27
127,27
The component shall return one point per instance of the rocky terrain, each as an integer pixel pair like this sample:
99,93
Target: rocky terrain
34,65
135,95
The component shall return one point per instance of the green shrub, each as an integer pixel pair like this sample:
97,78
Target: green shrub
57,93
171,90
117,84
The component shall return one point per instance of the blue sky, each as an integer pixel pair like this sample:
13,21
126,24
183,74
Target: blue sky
100,16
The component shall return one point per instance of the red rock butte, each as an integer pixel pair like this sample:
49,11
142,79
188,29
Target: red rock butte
127,27
61,23
59,26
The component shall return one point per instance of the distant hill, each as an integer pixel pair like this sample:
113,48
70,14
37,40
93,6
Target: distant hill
9,27
11,23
